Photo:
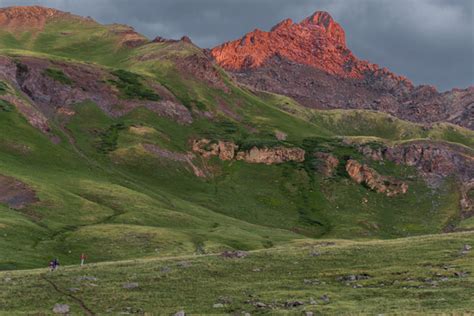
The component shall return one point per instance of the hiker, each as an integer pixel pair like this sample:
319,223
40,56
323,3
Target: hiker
83,259
55,263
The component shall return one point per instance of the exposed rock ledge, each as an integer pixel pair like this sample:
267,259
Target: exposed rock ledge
229,151
363,174
434,161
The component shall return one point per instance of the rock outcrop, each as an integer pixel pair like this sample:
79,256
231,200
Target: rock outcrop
363,174
434,160
229,151
327,163
270,156
206,148
310,62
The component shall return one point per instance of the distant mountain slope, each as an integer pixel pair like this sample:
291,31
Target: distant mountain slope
310,62
121,147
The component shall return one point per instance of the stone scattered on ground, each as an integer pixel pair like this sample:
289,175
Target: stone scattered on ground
180,313
461,274
312,282
308,313
293,303
465,249
87,278
224,300
7,279
165,269
234,254
61,309
353,277
74,289
130,286
184,264
312,301
218,305
260,305
325,299
131,310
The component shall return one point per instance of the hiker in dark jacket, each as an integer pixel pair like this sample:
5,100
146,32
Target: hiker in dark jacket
56,263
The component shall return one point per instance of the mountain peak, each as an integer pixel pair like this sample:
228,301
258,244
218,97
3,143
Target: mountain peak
324,20
316,41
321,18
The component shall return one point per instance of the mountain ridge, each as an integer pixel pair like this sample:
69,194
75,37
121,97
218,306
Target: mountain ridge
310,62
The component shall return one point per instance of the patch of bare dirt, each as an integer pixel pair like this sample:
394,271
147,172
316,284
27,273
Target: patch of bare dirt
15,193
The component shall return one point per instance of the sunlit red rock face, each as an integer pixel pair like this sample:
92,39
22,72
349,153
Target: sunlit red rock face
317,41
310,62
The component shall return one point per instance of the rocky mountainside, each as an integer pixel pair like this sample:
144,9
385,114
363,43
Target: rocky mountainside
310,62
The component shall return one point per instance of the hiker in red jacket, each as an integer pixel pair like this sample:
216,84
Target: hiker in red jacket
83,259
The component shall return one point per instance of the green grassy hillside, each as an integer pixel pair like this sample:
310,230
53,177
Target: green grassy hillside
414,276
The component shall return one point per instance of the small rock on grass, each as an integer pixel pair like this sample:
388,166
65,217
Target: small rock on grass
86,278
180,313
466,248
218,305
61,309
129,286
293,303
325,299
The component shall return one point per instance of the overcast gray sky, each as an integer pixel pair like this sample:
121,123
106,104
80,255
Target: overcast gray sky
429,41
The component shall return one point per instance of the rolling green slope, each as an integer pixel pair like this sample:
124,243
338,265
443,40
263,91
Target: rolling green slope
414,276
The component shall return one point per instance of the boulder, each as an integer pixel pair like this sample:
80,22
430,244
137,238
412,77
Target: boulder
363,174
61,309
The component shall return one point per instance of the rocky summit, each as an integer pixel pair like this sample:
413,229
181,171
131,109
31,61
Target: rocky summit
274,174
310,61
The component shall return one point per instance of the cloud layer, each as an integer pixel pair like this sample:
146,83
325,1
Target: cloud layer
429,41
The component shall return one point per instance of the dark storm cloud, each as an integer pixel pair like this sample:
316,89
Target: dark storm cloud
429,41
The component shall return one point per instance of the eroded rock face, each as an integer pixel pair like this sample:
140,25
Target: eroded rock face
15,193
202,67
32,115
88,82
327,163
228,151
363,174
271,156
434,160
